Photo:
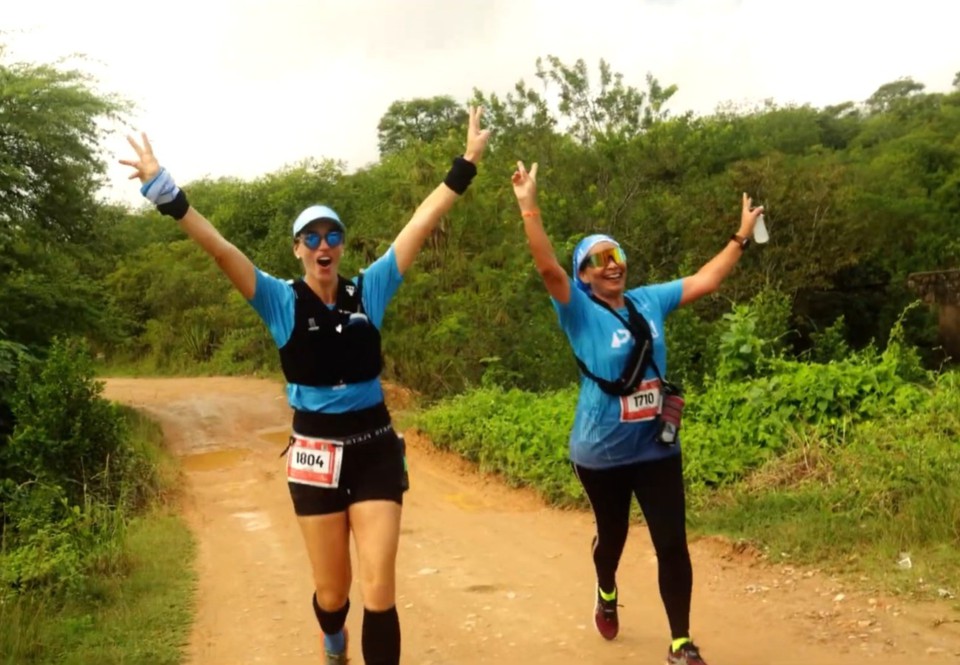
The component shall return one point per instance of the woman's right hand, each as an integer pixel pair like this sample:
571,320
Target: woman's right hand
146,164
476,138
525,186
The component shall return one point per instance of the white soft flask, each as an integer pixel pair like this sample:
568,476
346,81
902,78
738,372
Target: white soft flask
760,234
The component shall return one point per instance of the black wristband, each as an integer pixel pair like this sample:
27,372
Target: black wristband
460,174
176,208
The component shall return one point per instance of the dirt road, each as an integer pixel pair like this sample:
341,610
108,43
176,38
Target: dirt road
486,574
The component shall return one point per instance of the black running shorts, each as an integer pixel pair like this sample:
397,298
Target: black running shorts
372,465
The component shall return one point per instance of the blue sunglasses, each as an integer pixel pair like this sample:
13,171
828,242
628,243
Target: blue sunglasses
312,239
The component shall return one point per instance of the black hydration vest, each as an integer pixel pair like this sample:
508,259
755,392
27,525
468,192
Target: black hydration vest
330,347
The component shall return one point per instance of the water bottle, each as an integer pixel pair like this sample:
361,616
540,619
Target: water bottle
670,414
760,234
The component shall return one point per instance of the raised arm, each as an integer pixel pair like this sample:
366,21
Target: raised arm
708,279
159,188
411,238
554,276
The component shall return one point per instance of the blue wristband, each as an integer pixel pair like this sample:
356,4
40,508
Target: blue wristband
160,189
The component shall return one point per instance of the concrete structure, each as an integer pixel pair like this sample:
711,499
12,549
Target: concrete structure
942,288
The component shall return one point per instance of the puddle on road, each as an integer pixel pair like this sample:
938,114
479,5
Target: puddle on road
278,437
253,520
214,460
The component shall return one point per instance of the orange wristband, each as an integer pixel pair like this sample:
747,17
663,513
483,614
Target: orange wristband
530,213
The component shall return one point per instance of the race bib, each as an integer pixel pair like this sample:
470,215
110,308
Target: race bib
644,404
314,462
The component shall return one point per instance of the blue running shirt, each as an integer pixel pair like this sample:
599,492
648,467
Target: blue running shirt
607,430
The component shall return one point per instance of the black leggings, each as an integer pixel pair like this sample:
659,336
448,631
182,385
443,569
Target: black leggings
658,486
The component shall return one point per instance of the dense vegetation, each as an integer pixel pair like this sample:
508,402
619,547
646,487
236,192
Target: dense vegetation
83,482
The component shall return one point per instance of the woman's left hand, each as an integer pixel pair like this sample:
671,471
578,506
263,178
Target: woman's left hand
748,217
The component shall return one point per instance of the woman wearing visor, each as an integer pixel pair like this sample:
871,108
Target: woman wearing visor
345,464
624,438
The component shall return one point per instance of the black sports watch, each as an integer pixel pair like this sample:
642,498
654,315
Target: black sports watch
740,240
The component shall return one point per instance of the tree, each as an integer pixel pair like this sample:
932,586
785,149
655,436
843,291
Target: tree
839,124
419,120
615,110
51,124
50,129
889,94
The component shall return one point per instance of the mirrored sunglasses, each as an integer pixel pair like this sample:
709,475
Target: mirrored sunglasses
312,239
603,257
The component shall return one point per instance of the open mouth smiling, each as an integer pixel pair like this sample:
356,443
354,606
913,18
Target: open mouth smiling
613,275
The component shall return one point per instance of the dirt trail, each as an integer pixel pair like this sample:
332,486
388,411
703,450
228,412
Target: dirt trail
486,574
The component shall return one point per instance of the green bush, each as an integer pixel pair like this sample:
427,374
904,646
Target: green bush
52,545
76,470
520,434
880,490
66,433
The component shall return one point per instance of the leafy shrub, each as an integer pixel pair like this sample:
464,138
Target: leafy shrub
66,433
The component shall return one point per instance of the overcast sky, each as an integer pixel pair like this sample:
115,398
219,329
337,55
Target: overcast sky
242,87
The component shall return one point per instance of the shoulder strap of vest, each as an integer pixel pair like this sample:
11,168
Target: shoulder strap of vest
609,387
346,294
300,288
640,329
637,325
360,293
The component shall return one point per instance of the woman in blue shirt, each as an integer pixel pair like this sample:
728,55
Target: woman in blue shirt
619,445
345,464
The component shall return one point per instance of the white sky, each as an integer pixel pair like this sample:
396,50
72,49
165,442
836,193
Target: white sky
242,87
